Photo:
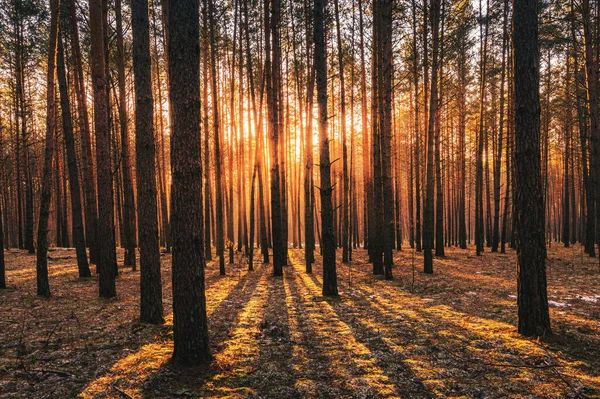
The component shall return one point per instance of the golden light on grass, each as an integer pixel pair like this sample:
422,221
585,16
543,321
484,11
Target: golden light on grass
137,367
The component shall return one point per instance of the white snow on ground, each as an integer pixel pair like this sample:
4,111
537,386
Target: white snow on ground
558,304
592,299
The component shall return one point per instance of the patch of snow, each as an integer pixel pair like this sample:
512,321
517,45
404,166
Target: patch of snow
558,304
592,299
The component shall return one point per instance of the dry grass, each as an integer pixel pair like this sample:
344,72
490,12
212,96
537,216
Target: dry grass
451,334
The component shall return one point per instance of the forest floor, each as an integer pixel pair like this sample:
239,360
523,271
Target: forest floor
450,334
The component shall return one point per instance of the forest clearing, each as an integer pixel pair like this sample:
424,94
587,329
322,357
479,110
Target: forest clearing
451,334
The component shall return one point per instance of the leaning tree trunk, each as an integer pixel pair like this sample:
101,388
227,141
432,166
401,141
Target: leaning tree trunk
151,308
190,328
129,222
76,211
534,319
43,287
89,177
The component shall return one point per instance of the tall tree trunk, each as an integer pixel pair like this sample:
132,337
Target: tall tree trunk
568,126
151,308
220,235
428,222
345,207
498,157
76,212
439,191
376,241
272,66
328,236
107,258
592,96
384,91
309,205
580,95
2,243
129,222
205,119
89,177
532,300
462,147
479,225
366,159
43,286
417,123
190,329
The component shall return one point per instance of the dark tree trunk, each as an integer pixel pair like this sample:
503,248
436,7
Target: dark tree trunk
205,120
367,189
309,205
43,286
376,217
129,222
220,234
89,177
417,122
385,75
107,258
568,126
272,65
479,225
151,308
428,222
190,328
2,267
328,236
592,97
439,191
534,319
462,145
498,157
76,213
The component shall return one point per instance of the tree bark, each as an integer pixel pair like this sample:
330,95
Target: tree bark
190,329
89,177
428,222
129,222
107,259
76,211
328,235
151,308
43,286
532,300
592,96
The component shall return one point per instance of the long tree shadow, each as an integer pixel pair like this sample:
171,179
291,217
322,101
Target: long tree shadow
352,361
388,358
467,347
137,365
273,376
573,337
169,380
317,375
